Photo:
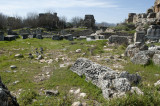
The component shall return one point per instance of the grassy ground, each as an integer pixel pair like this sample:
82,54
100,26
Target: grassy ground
31,92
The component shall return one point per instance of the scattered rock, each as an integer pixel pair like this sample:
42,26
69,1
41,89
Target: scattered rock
82,95
77,91
78,51
157,83
13,67
77,104
18,56
14,83
136,90
30,56
40,57
52,92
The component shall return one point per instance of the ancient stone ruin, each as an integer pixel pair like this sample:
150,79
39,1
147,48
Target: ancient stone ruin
153,32
6,99
157,6
89,21
1,36
51,20
151,16
112,83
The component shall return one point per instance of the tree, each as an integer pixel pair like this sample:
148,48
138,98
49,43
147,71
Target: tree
62,22
31,20
14,22
76,21
3,21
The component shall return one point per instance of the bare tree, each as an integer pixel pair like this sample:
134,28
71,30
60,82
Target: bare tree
14,22
31,20
76,21
3,21
62,22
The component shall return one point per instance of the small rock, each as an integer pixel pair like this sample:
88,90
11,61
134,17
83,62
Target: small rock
136,90
14,71
157,83
82,95
8,71
78,51
157,75
107,60
122,55
52,92
77,104
62,65
40,57
13,67
18,56
111,57
43,60
50,61
14,83
77,91
71,91
30,56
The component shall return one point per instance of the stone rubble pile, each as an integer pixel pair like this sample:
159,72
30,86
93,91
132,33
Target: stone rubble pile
142,54
112,83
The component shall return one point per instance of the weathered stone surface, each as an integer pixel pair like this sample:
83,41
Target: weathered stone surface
121,84
131,50
111,82
150,10
153,32
139,36
151,15
6,99
143,47
89,21
130,17
140,58
156,59
133,78
118,39
157,6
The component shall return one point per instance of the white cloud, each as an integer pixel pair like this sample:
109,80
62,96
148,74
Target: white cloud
24,4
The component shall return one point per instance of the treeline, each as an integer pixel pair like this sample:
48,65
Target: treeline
46,20
34,20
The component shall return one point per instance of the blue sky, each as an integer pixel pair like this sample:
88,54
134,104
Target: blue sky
112,11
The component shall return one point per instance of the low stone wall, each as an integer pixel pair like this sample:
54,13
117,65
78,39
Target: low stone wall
112,83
